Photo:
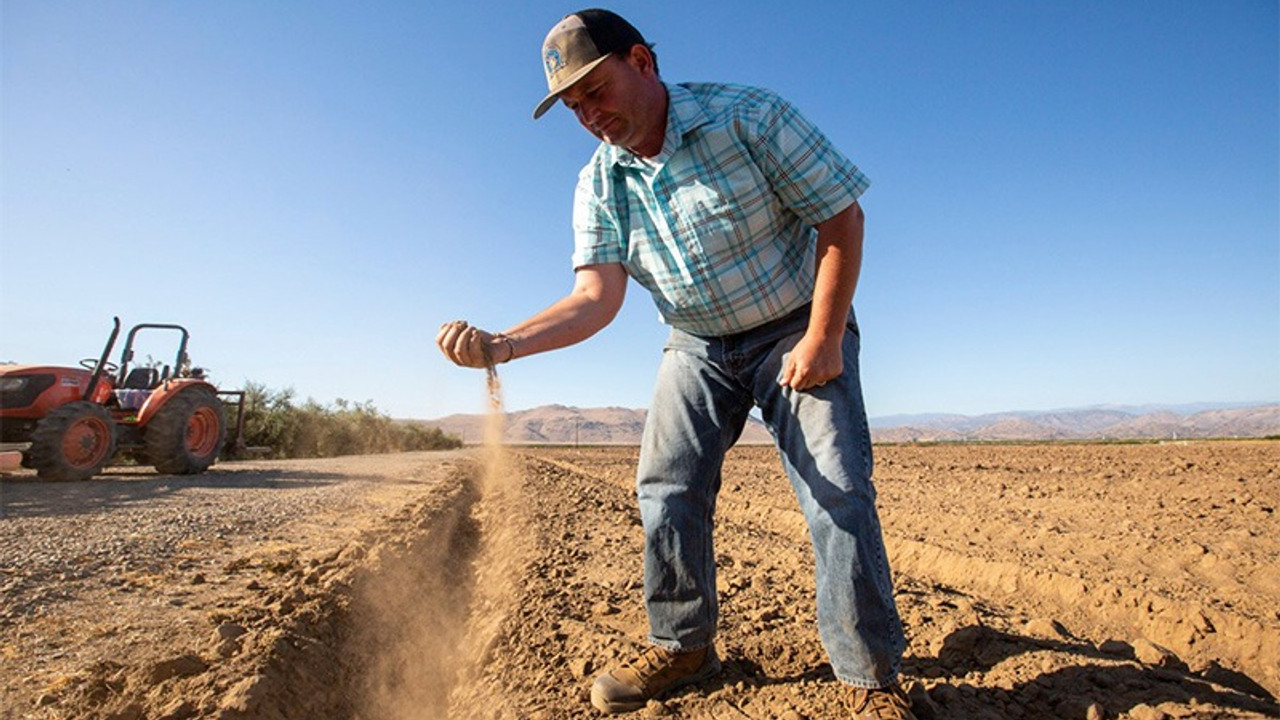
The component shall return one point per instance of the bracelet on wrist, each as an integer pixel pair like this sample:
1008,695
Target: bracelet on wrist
510,343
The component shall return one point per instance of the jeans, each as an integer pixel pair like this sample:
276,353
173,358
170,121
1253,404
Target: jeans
706,386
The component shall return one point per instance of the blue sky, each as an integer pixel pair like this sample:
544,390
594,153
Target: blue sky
1072,203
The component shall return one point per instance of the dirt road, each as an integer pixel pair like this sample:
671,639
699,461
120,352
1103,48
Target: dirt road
1050,581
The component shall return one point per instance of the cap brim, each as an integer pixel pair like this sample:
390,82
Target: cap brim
554,95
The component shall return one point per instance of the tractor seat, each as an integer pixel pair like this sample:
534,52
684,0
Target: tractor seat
132,399
137,387
141,378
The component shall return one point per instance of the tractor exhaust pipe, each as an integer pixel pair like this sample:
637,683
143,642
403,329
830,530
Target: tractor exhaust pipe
102,361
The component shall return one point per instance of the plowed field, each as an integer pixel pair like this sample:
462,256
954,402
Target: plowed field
1036,581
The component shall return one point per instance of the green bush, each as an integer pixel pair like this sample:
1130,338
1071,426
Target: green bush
273,420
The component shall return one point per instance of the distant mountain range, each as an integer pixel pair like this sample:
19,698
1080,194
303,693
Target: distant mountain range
558,424
1092,423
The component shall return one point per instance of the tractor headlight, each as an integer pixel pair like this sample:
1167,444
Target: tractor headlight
12,384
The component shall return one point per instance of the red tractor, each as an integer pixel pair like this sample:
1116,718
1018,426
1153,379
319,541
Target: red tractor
68,423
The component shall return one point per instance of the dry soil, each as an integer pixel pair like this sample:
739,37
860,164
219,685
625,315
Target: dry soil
1036,581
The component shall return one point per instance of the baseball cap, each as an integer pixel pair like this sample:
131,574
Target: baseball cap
577,44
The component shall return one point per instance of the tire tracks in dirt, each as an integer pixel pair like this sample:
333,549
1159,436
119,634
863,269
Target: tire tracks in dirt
1004,626
1205,637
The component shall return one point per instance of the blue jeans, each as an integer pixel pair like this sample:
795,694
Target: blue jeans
706,387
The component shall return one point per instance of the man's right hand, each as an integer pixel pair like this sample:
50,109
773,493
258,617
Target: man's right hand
472,347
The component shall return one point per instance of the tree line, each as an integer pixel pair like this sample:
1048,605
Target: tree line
286,428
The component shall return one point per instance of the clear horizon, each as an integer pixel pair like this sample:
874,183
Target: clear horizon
1178,408
1072,204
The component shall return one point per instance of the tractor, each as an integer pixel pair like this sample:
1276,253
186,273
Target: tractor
69,422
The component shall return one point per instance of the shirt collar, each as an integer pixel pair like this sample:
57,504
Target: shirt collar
684,114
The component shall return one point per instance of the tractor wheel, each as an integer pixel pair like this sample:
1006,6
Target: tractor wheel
186,435
73,442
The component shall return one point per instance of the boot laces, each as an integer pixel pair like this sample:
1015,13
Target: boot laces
651,663
889,703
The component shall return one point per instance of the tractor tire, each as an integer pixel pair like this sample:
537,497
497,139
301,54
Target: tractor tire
186,435
73,442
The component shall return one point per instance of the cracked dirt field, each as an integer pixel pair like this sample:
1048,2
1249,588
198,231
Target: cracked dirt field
1036,581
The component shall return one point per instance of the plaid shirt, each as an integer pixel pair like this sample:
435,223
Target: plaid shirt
719,226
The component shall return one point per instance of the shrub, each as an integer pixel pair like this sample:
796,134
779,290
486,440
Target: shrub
273,420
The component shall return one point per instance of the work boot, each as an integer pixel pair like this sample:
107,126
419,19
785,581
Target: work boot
886,703
656,672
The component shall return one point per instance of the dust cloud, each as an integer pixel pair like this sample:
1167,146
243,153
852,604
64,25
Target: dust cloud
431,614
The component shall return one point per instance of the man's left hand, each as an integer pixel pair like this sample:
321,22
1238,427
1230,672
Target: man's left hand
811,363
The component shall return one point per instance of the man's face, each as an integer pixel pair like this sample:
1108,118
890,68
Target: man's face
616,103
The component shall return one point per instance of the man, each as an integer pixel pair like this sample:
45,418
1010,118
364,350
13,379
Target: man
742,221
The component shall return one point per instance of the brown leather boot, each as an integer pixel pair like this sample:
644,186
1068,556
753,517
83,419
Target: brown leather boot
887,703
657,671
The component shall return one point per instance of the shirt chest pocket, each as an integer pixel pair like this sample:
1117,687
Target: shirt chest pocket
703,222
699,211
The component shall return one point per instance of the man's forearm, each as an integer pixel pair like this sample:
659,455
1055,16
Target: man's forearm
839,262
597,296
593,303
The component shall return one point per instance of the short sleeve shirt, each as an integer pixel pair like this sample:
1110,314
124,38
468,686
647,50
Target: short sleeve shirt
719,226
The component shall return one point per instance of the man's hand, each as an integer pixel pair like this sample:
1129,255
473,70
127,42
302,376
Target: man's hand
812,362
472,347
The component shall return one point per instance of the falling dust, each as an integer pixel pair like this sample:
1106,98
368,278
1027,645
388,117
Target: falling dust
500,559
433,614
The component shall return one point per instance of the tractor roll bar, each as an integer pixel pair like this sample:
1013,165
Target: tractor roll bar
127,354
